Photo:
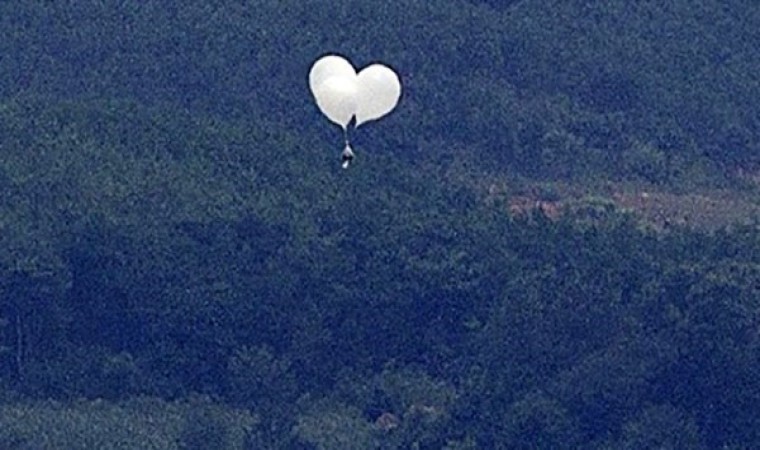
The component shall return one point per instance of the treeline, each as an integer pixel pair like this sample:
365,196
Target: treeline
322,301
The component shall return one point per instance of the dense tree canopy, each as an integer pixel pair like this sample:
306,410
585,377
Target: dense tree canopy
180,253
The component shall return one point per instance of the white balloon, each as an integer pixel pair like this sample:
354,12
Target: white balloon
328,66
341,94
336,97
379,92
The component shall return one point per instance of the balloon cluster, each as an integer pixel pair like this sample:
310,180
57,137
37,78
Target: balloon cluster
343,95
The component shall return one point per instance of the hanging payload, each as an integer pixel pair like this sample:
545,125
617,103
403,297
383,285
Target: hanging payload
347,156
344,96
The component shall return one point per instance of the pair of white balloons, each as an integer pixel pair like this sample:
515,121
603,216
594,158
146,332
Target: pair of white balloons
341,93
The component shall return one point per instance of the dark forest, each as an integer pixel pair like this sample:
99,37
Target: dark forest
553,242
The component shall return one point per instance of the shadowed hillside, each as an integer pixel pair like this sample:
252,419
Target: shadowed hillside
551,243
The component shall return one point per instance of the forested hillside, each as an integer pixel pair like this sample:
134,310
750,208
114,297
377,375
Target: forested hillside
184,264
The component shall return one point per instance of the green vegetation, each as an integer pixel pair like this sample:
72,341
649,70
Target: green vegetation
184,265
142,423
